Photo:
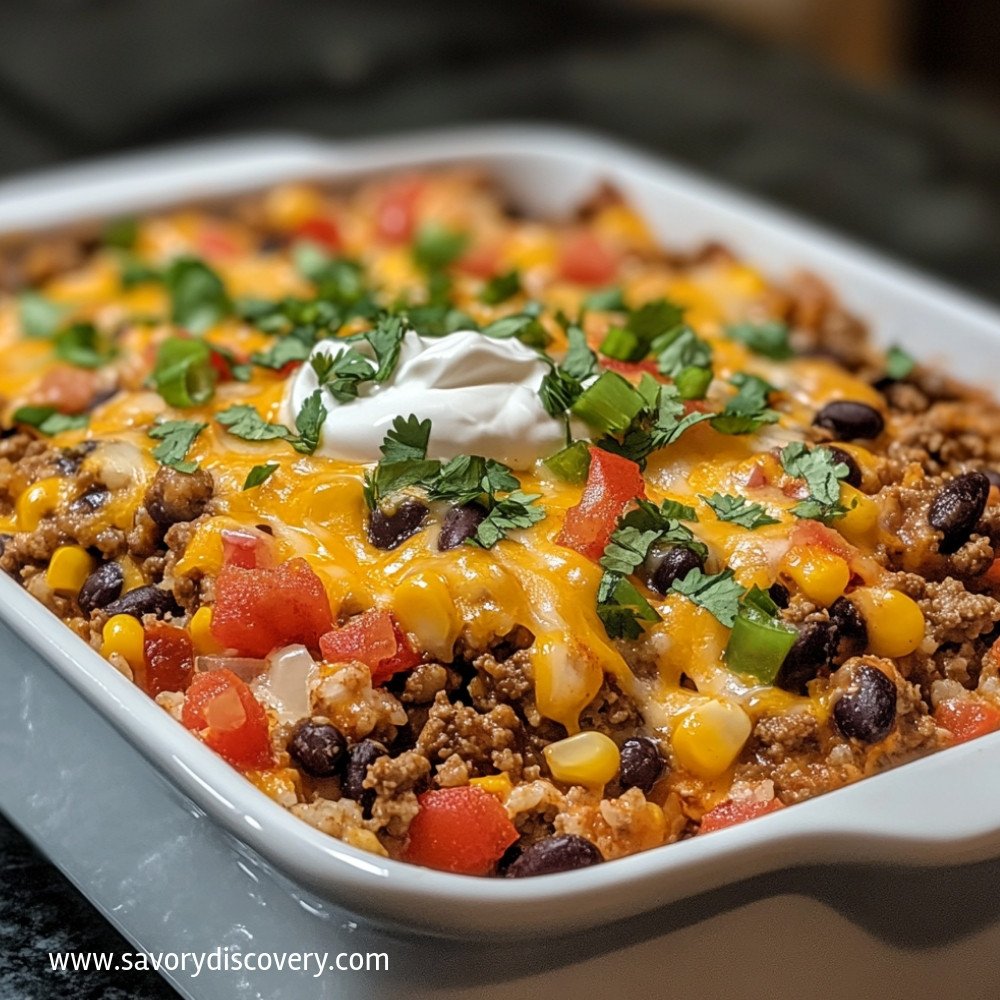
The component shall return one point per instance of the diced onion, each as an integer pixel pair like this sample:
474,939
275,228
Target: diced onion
243,666
285,684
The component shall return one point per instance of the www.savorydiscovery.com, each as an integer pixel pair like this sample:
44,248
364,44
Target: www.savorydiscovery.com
194,963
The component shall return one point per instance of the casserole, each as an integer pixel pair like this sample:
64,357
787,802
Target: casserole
560,169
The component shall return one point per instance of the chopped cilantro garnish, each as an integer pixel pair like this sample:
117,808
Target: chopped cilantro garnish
82,345
898,363
260,474
523,325
281,353
309,424
436,246
621,607
747,411
246,423
606,300
40,317
121,233
198,298
657,426
341,374
769,338
739,510
643,330
47,420
717,593
501,288
407,440
822,473
516,510
176,438
386,339
683,349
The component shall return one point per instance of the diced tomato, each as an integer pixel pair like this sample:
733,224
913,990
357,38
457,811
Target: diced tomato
758,477
734,811
966,719
221,709
631,369
68,389
223,365
375,639
247,549
587,261
463,830
480,261
396,211
259,610
612,483
169,657
322,230
992,574
216,244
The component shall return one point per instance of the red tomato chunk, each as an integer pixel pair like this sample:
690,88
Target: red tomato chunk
966,719
221,709
374,639
587,261
259,610
731,812
169,658
462,830
612,483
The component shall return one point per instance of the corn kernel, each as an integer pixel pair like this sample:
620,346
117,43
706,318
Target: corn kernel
895,621
69,568
37,501
289,206
529,248
124,635
588,758
861,517
364,840
133,577
710,738
283,784
201,632
745,280
496,784
622,224
819,574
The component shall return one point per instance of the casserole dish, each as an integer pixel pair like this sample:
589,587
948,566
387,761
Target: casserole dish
545,176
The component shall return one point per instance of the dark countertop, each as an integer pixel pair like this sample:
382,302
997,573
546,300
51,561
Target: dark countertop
911,173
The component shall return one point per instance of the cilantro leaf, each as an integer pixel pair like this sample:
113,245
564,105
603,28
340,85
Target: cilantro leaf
48,420
683,349
309,424
563,385
606,300
898,363
246,423
40,317
81,345
580,361
260,474
769,338
822,473
739,510
500,288
386,340
198,298
621,607
517,510
407,440
523,325
717,593
341,374
176,438
282,352
436,246
745,412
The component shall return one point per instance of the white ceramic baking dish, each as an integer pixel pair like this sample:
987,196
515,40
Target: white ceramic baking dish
885,819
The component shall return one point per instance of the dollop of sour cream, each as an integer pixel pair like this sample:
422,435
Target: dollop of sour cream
480,393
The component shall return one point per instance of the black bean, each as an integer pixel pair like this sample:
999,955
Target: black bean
459,524
174,497
848,420
318,748
386,531
672,564
641,763
957,508
148,600
91,501
102,587
851,629
867,709
811,653
563,853
359,758
853,477
70,459
778,593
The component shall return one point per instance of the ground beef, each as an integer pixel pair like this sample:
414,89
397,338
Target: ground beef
952,613
395,781
423,683
505,681
175,496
